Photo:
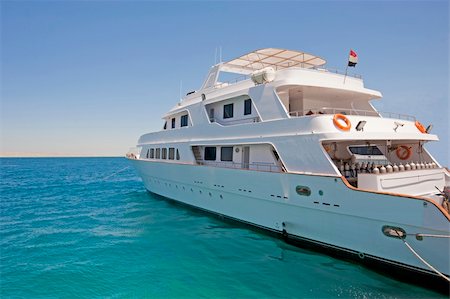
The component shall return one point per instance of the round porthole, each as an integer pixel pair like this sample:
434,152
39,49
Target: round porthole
237,150
320,192
303,190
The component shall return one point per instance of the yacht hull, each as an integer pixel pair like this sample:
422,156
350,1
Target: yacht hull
333,217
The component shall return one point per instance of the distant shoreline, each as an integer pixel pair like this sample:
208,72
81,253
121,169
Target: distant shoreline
38,157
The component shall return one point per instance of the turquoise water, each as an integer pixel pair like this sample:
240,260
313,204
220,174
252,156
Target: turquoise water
86,227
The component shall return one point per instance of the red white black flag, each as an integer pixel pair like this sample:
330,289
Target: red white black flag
352,58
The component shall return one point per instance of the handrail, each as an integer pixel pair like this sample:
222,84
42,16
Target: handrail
236,121
246,166
232,81
338,71
316,68
350,111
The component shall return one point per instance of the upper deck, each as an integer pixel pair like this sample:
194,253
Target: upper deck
280,85
286,71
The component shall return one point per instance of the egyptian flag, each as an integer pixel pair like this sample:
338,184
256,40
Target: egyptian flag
352,58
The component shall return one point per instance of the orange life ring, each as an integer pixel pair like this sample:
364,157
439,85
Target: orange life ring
336,122
403,152
420,127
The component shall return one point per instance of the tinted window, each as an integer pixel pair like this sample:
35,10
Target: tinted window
164,153
171,153
248,107
165,125
152,153
184,121
226,153
158,153
173,123
365,150
178,155
228,111
210,153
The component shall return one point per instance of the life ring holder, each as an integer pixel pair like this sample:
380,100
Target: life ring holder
420,127
403,152
342,117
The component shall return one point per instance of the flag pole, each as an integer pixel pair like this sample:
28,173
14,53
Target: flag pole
346,69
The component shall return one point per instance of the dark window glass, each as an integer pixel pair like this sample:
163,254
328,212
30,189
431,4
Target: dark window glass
158,153
173,123
165,125
365,150
210,153
152,153
178,155
226,153
171,153
164,153
211,115
228,111
148,151
184,121
248,107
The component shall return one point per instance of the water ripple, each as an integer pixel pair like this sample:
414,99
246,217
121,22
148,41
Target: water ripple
77,228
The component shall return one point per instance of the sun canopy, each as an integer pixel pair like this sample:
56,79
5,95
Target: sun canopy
271,57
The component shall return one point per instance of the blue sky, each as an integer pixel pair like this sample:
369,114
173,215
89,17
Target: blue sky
87,78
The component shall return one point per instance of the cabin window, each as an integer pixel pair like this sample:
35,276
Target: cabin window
171,153
210,153
228,111
248,107
184,121
226,153
147,153
365,150
178,155
165,125
164,153
158,153
211,115
152,153
173,123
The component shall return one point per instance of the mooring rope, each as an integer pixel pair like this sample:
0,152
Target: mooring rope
113,174
422,260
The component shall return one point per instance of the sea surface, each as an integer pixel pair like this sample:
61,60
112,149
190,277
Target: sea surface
87,228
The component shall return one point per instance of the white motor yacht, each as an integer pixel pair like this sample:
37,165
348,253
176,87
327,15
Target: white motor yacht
297,149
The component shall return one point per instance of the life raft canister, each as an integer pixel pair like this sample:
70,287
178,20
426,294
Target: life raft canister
338,124
403,152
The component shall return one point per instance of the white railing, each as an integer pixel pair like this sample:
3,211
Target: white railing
301,65
236,121
397,115
337,71
349,111
232,81
247,166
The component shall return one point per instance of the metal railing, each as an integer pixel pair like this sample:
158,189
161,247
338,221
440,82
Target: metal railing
338,71
246,166
349,111
236,121
232,81
302,65
397,115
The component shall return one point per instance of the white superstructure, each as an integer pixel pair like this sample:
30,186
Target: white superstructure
298,149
